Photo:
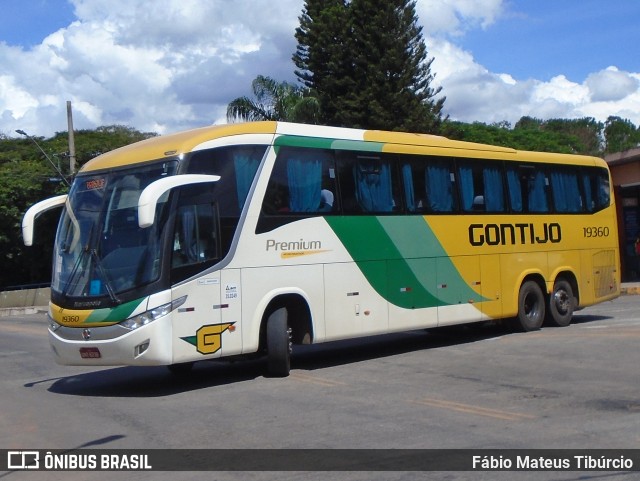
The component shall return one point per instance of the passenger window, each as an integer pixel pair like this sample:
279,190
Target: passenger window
595,185
566,191
439,183
528,189
481,187
428,184
236,166
302,182
413,182
368,183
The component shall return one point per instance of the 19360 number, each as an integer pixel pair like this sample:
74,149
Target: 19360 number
595,231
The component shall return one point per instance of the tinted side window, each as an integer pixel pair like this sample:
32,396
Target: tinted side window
528,189
481,187
236,166
565,190
429,184
596,188
302,182
368,183
440,184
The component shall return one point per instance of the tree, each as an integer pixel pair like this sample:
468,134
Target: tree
27,177
366,62
321,56
274,100
573,136
91,143
620,134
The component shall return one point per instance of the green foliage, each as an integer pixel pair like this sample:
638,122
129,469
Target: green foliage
366,62
24,182
27,177
274,100
572,136
621,135
91,143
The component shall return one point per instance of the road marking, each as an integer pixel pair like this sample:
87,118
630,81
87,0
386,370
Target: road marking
298,376
471,409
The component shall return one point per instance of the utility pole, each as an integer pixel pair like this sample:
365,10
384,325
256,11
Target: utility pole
72,143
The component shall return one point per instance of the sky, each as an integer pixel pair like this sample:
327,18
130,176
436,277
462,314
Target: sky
169,65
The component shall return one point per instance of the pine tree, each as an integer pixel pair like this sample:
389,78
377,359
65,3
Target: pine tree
367,63
321,55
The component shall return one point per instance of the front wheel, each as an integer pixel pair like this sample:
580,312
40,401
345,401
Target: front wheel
561,304
531,307
279,344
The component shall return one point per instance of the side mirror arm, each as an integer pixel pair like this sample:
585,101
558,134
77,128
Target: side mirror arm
152,193
34,211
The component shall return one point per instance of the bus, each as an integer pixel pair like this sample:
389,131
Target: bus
247,239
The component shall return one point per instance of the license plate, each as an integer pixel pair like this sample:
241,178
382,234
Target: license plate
90,353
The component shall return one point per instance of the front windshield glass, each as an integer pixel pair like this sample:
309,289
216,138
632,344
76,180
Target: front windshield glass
100,250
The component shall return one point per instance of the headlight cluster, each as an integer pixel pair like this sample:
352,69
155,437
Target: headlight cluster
153,314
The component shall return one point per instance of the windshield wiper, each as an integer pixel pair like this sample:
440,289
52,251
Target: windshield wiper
103,275
74,271
93,255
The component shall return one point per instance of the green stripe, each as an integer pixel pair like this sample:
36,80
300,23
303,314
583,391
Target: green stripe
399,256
324,143
116,314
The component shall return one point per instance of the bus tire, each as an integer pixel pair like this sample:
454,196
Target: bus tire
278,344
561,304
531,307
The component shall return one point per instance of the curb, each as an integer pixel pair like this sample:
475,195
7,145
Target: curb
629,290
22,311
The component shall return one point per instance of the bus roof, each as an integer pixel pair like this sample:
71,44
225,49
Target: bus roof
172,145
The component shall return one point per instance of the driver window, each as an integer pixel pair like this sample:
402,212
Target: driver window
195,242
195,239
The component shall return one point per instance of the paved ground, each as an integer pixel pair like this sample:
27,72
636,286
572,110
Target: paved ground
574,387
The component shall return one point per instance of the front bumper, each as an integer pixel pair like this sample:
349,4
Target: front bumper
149,345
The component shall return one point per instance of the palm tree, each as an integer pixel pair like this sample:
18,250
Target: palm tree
275,100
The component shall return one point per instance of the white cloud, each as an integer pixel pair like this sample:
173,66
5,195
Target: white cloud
453,17
15,98
158,66
176,64
611,84
475,94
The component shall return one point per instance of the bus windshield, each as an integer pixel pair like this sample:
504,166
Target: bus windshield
100,249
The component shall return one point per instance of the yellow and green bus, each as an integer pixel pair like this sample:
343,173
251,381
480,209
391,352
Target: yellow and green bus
246,239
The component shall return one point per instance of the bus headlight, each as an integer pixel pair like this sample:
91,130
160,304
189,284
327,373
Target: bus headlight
151,315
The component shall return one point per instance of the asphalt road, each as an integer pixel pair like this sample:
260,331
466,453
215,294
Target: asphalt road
576,387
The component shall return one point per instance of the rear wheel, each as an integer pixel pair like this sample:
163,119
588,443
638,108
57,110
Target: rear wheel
279,344
531,307
561,304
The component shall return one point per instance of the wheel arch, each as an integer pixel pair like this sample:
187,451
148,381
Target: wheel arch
299,315
531,275
568,275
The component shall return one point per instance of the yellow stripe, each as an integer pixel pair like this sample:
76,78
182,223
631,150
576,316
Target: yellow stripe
173,145
68,317
315,380
287,255
470,409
